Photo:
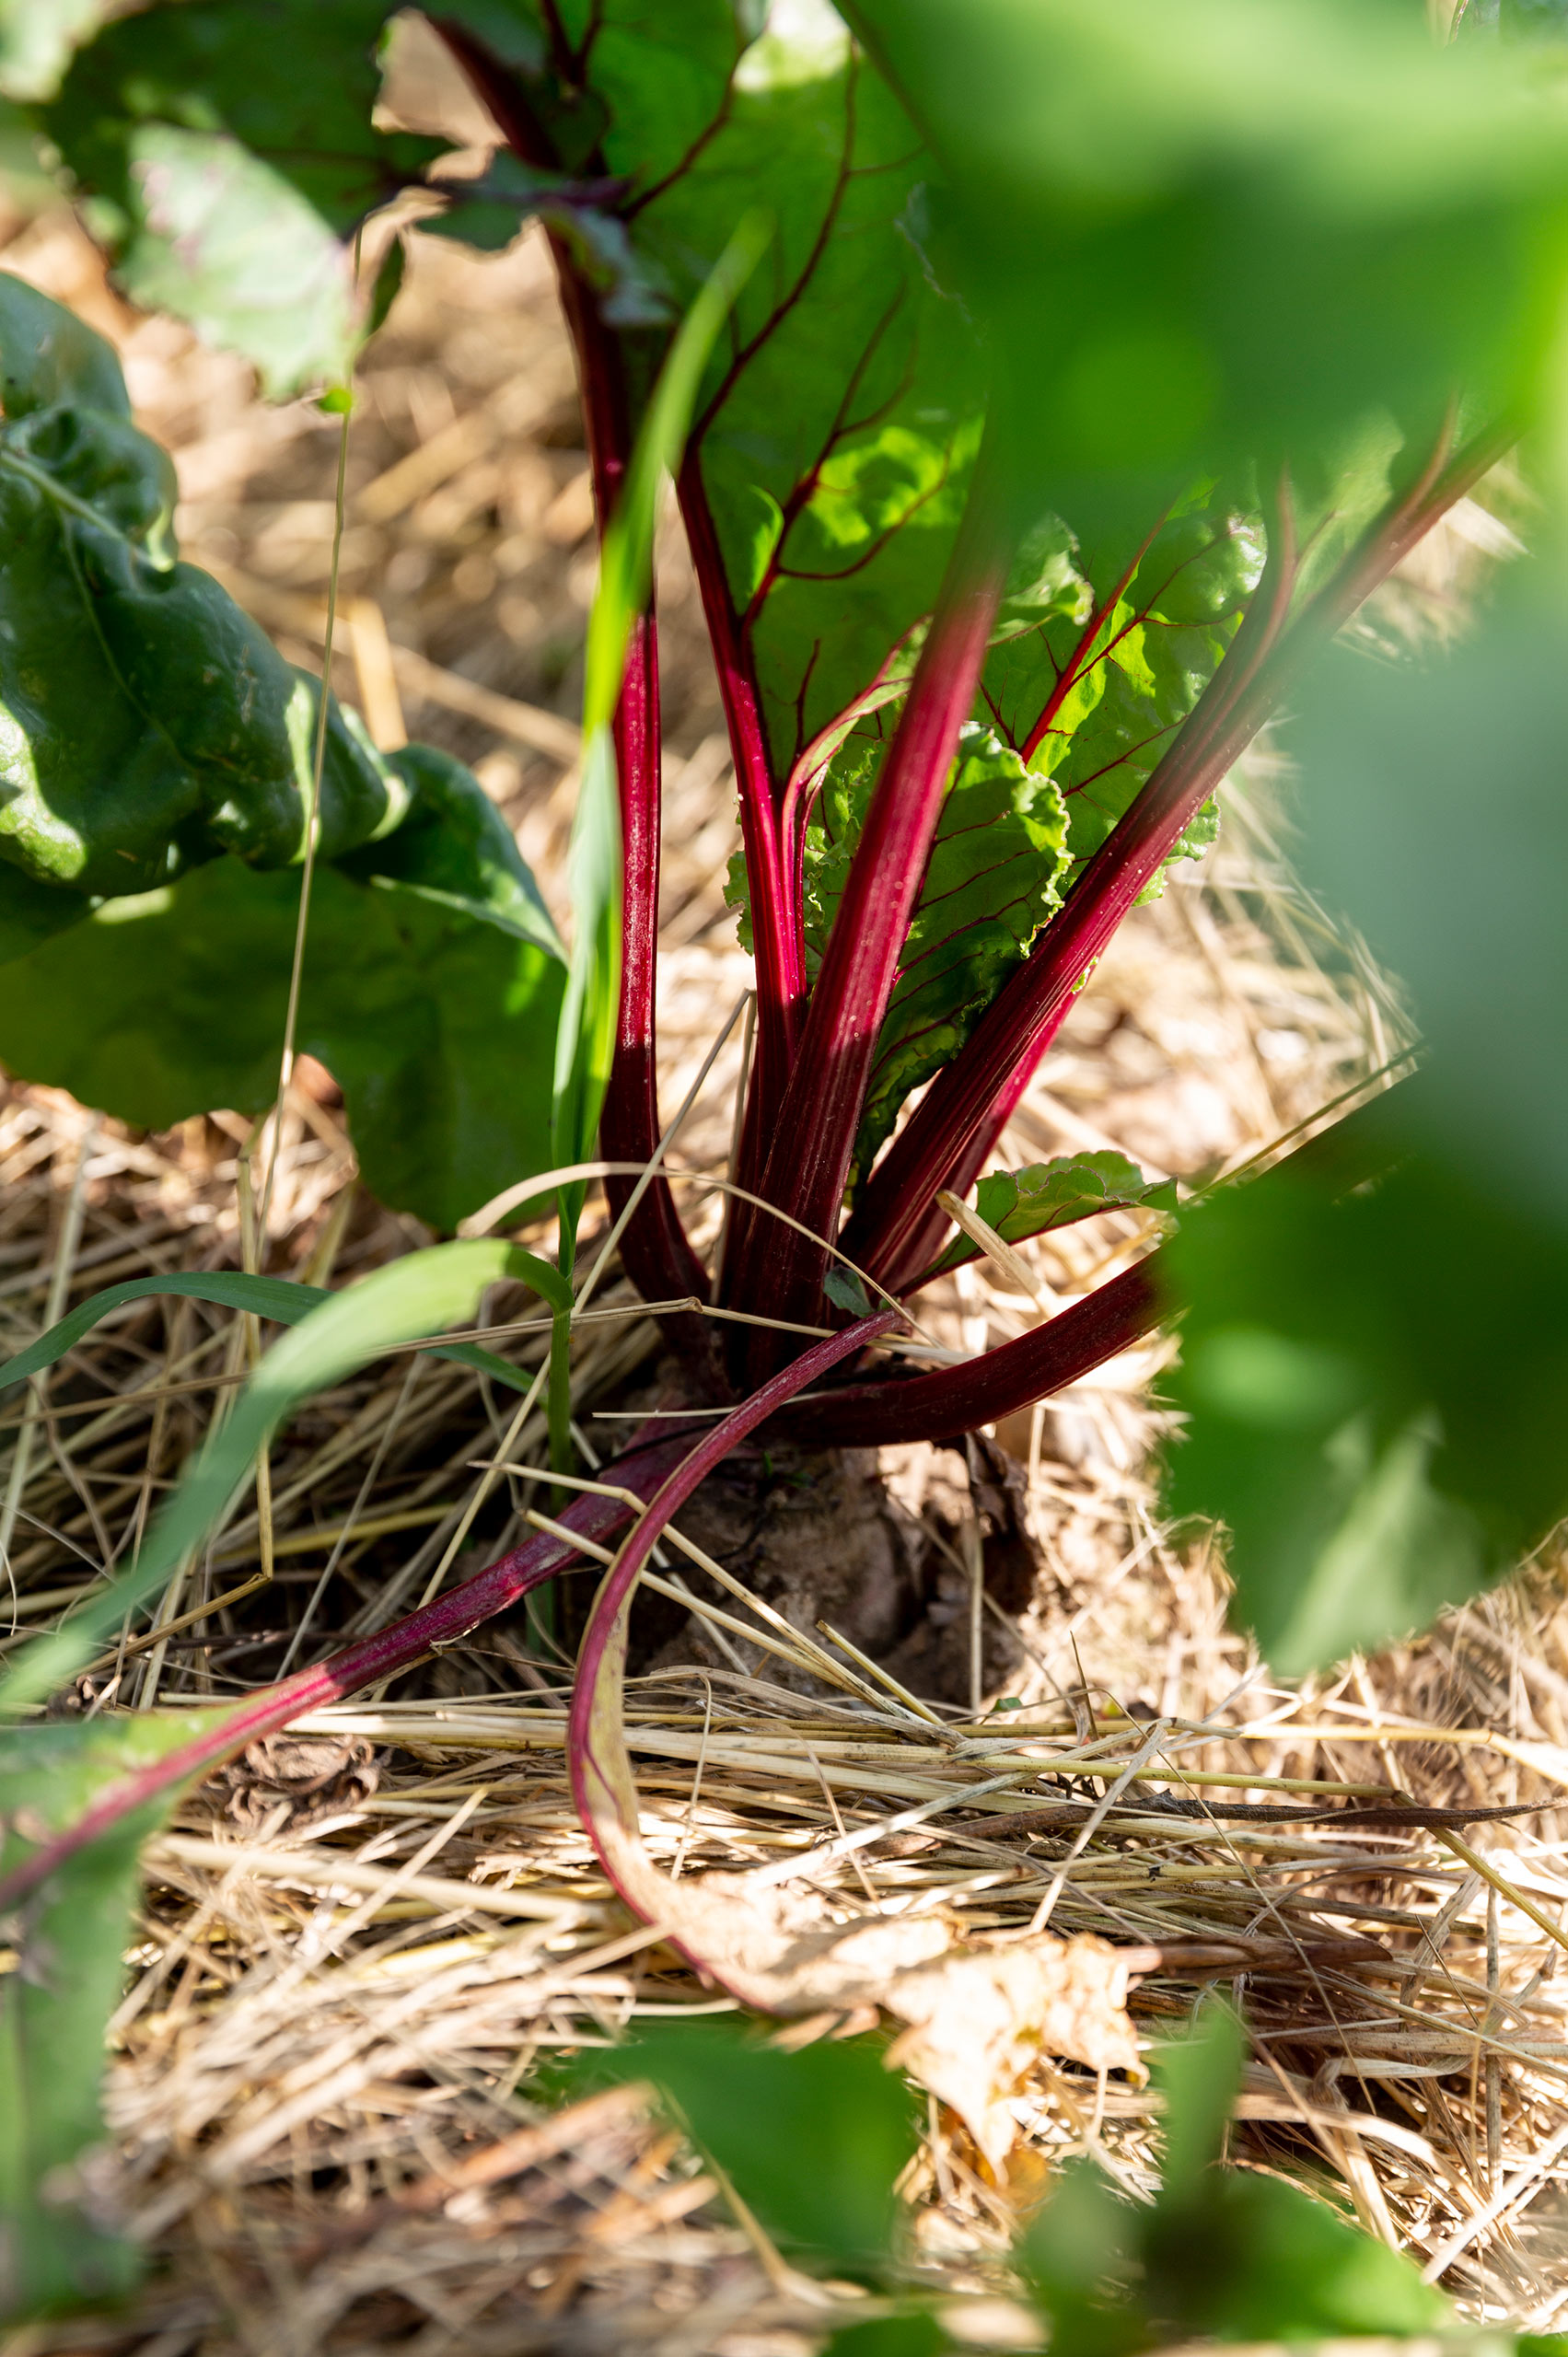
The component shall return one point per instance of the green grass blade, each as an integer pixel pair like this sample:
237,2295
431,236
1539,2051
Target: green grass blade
398,1305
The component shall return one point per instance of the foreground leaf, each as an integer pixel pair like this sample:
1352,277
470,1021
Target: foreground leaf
813,2142
55,1999
1379,1440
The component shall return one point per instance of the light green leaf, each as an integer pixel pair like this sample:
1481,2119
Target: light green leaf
396,1305
991,881
1045,1195
36,41
56,1998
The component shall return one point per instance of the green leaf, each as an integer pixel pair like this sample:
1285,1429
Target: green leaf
812,2141
991,882
278,1299
1379,1439
399,1304
1220,237
56,1998
438,1027
842,1286
1095,690
908,2336
37,37
1221,2254
491,211
227,149
1045,1195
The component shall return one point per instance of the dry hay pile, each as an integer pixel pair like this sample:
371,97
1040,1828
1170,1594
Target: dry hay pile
356,1943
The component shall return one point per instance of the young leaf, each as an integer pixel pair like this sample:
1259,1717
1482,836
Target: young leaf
1045,1195
991,883
813,2142
399,1304
56,1999
1093,695
229,149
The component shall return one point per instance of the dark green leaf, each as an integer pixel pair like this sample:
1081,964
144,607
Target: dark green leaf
991,883
228,148
842,1286
439,1029
55,2001
812,2141
911,2335
489,212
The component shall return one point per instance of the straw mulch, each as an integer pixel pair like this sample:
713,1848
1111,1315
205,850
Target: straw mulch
357,1944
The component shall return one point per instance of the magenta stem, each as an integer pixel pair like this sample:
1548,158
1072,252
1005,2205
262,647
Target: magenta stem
896,1232
385,1654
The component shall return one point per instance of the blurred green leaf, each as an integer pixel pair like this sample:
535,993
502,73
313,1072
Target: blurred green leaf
911,2335
56,2251
1221,2253
226,148
812,2141
991,882
1223,235
37,37
1374,1378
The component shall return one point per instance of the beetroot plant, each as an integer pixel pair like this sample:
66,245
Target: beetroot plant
1055,382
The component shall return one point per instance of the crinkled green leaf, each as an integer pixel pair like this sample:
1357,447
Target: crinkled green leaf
226,148
1374,1383
440,1029
1096,688
1045,1195
55,2001
991,881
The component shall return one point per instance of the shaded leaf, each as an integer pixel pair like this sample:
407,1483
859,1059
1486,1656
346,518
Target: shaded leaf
229,149
991,883
55,2001
439,1029
490,211
907,2336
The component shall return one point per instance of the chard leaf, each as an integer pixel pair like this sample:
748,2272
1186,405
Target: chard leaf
37,37
991,881
227,149
439,1028
1096,690
1046,1195
57,1996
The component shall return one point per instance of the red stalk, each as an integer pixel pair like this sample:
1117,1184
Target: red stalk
956,1399
780,951
390,1651
595,1709
895,1232
814,1138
